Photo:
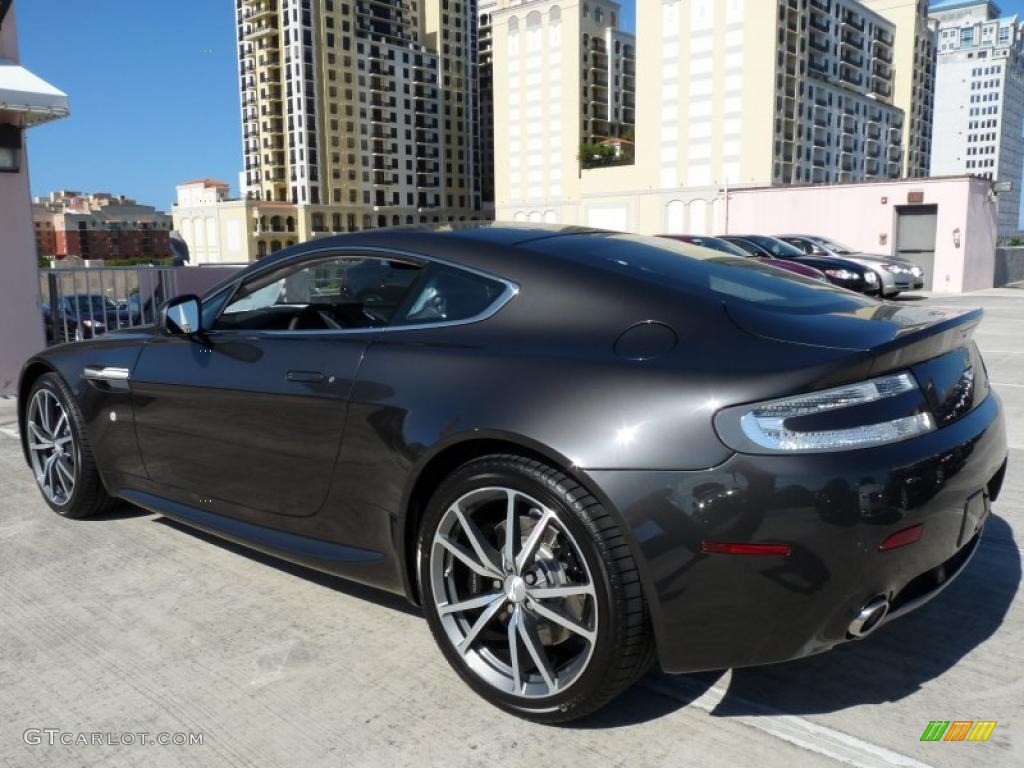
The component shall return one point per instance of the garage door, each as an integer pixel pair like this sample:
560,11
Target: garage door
915,237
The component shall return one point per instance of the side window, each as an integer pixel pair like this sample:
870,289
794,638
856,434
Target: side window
449,295
333,293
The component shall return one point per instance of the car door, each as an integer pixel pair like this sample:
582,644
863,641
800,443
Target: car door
246,418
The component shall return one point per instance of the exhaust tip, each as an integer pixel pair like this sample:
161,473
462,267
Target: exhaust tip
869,618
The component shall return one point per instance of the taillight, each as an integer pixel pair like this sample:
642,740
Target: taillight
868,413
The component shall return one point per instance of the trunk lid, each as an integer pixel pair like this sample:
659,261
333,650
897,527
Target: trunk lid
934,343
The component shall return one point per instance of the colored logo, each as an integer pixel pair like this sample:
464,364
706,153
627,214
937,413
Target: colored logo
958,730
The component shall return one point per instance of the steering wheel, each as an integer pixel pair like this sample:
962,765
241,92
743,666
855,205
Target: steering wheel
313,317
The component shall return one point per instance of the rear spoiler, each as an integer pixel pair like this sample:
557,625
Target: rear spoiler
916,344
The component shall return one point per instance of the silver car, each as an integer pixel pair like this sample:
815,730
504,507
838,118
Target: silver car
896,275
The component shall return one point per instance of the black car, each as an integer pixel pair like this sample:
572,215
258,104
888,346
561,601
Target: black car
81,316
578,451
841,272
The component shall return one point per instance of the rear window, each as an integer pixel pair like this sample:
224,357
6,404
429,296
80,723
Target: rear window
673,264
449,295
777,248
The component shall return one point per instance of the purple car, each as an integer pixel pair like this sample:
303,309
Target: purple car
717,244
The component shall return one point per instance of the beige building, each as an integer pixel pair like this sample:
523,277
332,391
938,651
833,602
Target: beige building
729,93
914,65
223,230
557,83
344,115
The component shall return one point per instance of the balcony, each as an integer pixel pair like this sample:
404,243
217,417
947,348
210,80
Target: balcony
852,38
820,44
851,56
880,86
880,50
850,76
853,21
257,31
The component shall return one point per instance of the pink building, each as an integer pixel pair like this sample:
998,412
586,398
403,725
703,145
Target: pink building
946,225
25,101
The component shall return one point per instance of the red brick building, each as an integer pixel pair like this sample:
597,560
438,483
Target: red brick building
99,226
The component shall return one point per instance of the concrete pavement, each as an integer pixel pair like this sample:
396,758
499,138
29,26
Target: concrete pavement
132,623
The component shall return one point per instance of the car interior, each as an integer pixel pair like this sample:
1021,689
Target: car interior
354,293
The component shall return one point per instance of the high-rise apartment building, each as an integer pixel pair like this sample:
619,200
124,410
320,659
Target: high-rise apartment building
485,75
728,93
914,88
831,105
361,113
562,75
979,99
449,27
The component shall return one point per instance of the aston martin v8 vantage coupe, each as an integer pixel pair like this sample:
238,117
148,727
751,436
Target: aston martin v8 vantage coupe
580,452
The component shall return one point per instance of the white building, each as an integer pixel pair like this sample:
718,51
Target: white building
218,229
979,99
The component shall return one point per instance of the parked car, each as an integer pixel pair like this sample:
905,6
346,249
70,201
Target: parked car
846,274
895,275
578,451
134,309
81,316
717,244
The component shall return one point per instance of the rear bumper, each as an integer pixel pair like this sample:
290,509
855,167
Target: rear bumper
713,611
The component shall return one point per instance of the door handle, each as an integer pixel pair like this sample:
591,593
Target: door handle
305,377
106,373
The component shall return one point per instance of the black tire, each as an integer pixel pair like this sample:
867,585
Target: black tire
88,497
623,649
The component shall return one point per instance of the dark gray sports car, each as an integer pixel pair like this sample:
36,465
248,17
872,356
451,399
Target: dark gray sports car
579,451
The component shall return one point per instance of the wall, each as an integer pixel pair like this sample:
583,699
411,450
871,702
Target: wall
20,318
1009,266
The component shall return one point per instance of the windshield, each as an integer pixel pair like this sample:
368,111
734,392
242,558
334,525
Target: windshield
835,247
717,244
777,248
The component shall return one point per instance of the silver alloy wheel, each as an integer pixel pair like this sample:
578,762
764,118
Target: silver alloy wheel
51,447
513,592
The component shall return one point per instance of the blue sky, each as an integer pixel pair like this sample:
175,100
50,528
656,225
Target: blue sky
154,98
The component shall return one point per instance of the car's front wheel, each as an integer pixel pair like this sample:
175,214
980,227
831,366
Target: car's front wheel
531,591
59,450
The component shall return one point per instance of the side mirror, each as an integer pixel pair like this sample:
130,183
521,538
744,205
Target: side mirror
181,315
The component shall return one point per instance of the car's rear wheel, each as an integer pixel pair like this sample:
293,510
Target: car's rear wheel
531,591
59,451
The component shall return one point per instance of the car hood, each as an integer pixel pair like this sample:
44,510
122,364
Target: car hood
862,326
869,259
